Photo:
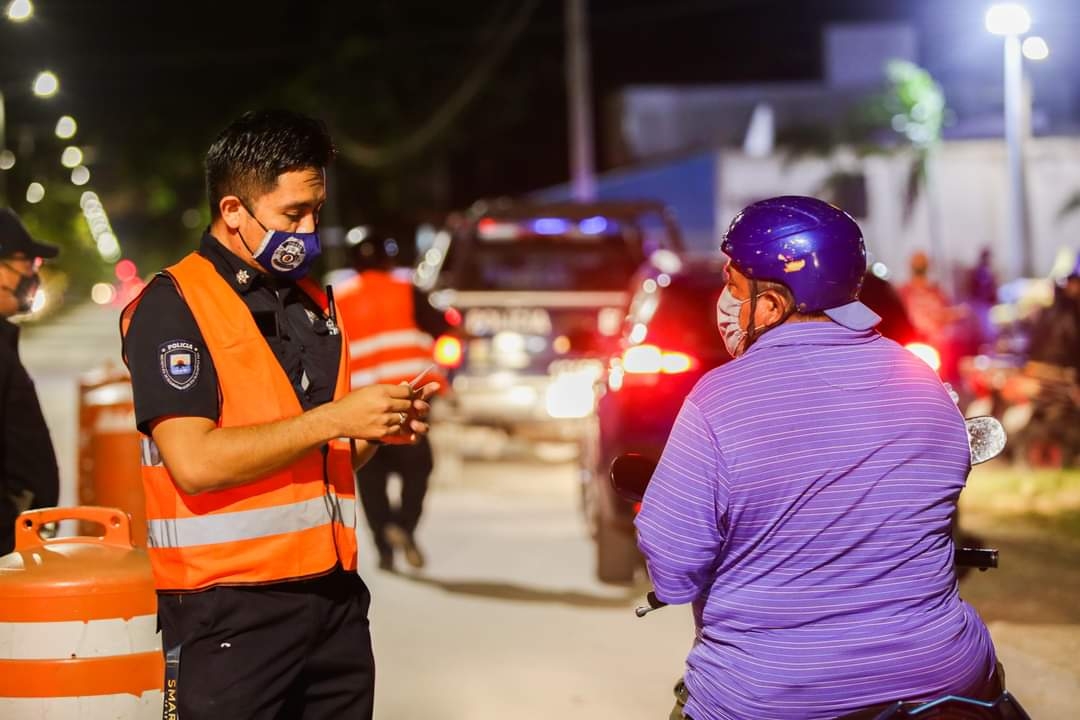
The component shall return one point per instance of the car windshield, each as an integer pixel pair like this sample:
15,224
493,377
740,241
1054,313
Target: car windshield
550,263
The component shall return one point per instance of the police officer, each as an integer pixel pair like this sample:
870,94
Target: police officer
240,382
29,477
391,326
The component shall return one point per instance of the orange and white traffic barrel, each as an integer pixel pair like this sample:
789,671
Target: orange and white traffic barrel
78,623
110,472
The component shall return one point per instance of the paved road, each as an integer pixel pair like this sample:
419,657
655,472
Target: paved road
507,621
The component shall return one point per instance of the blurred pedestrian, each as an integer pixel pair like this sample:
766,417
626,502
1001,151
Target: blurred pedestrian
926,303
391,326
1052,435
1055,336
29,477
982,296
252,436
982,284
932,313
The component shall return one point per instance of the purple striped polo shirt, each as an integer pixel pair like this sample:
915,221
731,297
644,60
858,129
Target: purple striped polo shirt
803,504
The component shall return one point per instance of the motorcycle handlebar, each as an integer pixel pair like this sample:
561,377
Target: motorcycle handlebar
981,558
655,603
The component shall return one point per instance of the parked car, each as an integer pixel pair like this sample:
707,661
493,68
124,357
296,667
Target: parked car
669,341
539,292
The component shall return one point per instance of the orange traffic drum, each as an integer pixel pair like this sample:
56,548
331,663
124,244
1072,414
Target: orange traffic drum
78,623
110,472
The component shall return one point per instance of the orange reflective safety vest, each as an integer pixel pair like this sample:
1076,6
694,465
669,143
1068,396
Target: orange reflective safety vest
297,522
376,309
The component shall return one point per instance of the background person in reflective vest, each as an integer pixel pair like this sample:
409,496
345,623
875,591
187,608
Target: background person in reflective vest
240,378
28,473
391,326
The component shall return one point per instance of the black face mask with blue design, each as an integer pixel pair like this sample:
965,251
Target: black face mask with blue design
288,255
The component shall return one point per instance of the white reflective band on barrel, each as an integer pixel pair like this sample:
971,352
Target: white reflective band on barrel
390,340
88,707
372,375
247,524
70,639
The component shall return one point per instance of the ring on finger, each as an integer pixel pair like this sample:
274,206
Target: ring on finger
403,417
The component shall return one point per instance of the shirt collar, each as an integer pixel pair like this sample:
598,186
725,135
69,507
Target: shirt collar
814,332
241,277
9,333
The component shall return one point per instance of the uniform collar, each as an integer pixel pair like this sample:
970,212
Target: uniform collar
824,332
241,277
9,333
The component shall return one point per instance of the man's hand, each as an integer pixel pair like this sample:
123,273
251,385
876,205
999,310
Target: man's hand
373,412
416,427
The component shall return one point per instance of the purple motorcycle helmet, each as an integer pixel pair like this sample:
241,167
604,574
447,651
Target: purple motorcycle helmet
813,248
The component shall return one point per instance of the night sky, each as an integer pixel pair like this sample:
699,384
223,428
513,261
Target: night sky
151,82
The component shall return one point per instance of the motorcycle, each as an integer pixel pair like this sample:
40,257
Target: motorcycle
630,475
1038,403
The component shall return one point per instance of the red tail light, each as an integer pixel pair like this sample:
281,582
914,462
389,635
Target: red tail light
642,359
926,353
448,351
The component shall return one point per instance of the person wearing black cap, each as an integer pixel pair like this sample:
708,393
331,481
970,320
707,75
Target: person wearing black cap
28,472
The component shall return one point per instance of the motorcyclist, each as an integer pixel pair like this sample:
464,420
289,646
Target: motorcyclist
1055,337
1052,435
804,498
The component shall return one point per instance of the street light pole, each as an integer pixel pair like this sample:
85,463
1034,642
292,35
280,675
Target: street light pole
1015,141
1011,20
579,100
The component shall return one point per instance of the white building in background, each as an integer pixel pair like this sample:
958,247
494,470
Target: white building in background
710,150
971,185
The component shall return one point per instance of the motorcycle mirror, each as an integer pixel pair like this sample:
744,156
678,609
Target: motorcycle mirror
986,438
630,475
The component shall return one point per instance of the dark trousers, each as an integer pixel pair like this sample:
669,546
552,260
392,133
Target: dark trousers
414,464
272,652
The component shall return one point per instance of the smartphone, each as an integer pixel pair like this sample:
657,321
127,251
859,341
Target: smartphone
416,383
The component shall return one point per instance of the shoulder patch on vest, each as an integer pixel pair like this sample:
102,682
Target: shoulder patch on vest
179,364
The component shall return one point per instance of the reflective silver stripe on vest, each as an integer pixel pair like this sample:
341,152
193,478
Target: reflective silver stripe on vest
382,371
390,340
248,524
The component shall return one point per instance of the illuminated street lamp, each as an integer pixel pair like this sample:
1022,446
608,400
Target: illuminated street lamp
1011,20
71,157
35,193
19,10
16,11
80,175
66,127
1035,48
46,84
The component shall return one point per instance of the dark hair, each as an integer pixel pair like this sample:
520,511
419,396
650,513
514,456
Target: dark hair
248,156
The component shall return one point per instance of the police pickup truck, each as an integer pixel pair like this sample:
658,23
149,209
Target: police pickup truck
539,292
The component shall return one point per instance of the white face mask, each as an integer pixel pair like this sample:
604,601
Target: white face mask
727,321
